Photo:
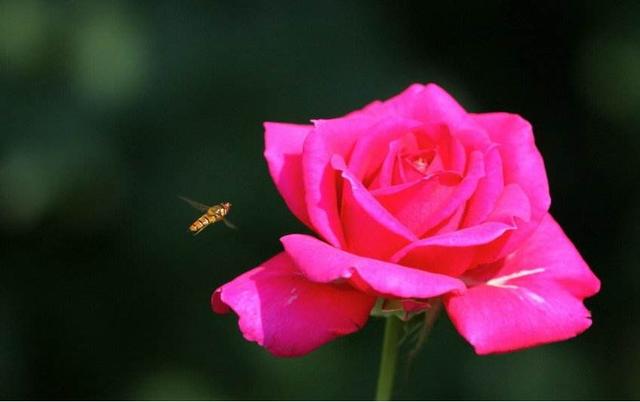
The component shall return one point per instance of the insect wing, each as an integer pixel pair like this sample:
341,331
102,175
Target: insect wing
229,224
196,205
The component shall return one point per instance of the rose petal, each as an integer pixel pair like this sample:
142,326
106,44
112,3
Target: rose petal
370,230
322,263
450,224
370,149
426,203
283,151
512,203
454,253
489,189
428,103
418,204
287,314
535,297
522,164
320,181
328,138
452,153
385,175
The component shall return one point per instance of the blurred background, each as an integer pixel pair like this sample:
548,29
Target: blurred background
109,110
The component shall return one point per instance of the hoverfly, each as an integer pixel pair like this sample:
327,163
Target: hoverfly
212,214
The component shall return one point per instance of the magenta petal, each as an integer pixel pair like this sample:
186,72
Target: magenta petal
369,150
385,174
489,189
513,203
320,182
322,263
287,314
283,151
453,253
418,204
522,165
328,138
370,230
521,160
426,203
535,298
428,103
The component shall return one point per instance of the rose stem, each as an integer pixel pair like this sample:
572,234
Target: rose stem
388,359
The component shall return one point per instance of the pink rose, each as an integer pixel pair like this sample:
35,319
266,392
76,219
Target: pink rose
413,198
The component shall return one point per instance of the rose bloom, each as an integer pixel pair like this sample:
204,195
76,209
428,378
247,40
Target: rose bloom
411,199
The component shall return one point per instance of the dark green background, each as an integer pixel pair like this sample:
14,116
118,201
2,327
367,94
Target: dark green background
109,110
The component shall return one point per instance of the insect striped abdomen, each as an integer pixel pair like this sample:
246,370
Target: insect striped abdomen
201,223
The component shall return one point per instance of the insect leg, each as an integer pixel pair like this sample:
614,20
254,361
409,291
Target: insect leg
200,230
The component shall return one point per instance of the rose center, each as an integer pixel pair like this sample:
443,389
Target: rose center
420,161
420,164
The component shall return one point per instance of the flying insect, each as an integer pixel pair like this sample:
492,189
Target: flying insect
211,214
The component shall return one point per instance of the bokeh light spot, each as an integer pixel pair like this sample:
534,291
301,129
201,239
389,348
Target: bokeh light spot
610,76
22,32
110,55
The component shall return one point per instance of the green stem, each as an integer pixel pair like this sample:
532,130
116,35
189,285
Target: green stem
388,359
